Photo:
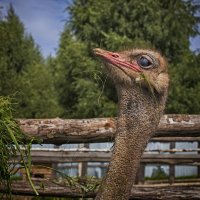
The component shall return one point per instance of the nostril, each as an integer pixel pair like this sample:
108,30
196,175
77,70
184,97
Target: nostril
115,55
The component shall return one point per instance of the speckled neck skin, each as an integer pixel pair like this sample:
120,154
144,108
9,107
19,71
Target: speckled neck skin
139,114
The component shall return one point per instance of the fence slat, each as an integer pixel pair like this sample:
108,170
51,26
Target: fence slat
62,156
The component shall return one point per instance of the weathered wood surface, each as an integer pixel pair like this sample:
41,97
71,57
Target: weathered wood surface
174,138
87,155
61,131
153,192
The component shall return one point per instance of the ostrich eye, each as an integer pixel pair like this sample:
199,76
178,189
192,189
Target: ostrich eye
144,62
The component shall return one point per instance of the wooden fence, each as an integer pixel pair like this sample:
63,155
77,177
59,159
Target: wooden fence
172,129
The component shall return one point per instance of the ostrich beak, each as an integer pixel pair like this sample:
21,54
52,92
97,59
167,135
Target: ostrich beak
114,58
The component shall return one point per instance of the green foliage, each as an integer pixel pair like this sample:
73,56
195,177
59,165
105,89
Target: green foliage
158,174
36,96
115,25
23,72
187,177
167,25
185,86
11,143
79,84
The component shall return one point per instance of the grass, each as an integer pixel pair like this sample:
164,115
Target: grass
11,141
187,177
156,178
14,143
158,174
85,184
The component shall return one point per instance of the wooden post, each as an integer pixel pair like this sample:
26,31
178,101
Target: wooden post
198,167
82,166
54,165
140,177
172,166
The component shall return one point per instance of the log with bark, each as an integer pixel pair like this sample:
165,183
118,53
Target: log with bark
151,192
61,131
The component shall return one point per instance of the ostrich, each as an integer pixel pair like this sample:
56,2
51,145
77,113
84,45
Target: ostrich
141,80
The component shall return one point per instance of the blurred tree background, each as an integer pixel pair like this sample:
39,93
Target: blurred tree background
24,74
72,84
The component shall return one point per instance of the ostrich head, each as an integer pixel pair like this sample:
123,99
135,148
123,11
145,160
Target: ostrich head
145,68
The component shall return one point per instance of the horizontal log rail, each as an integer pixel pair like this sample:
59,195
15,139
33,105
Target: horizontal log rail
173,138
151,192
47,156
62,131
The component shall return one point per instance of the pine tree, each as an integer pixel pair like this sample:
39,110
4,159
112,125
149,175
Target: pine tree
78,81
23,73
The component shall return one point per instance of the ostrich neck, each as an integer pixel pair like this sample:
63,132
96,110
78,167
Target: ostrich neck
139,115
